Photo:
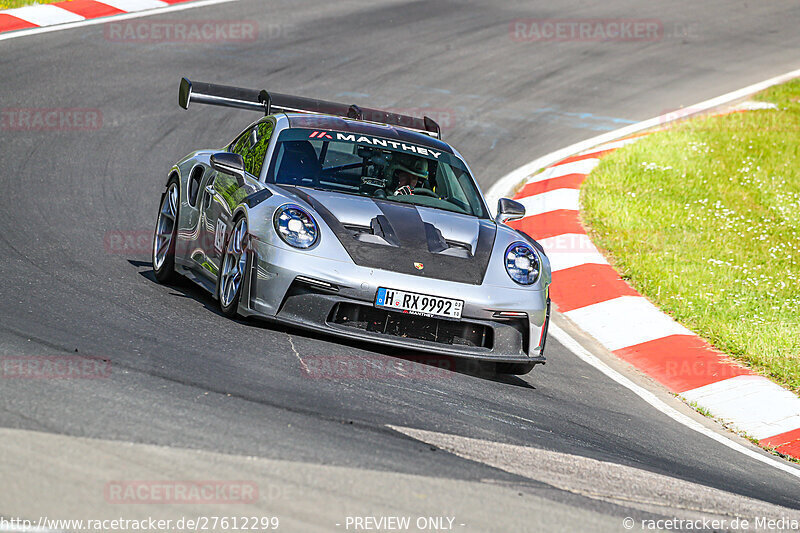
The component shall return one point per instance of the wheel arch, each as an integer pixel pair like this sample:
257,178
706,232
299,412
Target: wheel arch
240,212
174,173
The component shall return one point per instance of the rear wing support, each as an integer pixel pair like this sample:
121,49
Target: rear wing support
268,103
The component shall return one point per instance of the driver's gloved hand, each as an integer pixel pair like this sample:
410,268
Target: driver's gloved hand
405,189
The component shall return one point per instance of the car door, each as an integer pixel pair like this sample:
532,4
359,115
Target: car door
193,238
224,192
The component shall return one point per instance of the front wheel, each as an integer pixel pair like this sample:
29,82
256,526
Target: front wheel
166,234
233,269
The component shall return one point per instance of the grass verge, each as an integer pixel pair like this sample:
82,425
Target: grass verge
704,220
8,4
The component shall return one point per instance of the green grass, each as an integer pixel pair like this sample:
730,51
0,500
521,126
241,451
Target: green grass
8,4
700,409
704,220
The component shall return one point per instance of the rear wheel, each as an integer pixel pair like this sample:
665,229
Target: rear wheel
165,234
233,269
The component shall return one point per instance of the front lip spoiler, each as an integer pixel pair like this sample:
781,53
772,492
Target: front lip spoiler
398,342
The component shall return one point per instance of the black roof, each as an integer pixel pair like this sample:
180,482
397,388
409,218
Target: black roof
325,122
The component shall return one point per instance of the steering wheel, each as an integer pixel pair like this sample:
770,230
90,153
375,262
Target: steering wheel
425,192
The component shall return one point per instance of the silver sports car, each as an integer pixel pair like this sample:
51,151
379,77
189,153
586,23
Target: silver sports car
355,222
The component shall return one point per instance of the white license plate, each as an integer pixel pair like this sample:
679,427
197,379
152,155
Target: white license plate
419,304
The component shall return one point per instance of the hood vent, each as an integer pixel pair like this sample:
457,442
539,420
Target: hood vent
458,249
380,231
397,239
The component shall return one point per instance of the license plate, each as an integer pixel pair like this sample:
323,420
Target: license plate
419,304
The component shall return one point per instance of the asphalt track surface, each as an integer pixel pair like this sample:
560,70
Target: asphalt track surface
187,378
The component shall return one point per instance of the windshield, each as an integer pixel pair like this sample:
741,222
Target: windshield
375,167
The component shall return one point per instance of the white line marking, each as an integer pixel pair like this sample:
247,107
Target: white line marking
303,364
570,250
134,5
612,145
753,404
572,345
625,321
584,166
752,105
551,201
114,18
43,15
511,180
508,182
602,480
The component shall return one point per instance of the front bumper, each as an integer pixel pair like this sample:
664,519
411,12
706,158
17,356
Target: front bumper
337,298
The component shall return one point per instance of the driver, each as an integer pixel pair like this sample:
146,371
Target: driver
405,172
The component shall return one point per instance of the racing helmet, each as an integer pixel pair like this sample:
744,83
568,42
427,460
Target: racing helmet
416,166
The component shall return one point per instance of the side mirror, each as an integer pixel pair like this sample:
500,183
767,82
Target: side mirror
508,210
229,163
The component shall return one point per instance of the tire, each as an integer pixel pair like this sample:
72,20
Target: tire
518,369
233,268
166,233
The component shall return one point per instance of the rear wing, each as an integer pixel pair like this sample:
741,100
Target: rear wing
268,103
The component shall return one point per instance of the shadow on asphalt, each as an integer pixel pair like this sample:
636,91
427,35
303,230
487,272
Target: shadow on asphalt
186,289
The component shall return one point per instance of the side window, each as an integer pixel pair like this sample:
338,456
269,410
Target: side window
259,137
452,189
241,145
194,184
252,146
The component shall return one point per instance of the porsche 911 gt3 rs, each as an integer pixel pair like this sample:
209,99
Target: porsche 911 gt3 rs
355,222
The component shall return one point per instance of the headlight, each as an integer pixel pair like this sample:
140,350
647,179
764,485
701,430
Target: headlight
522,263
295,226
